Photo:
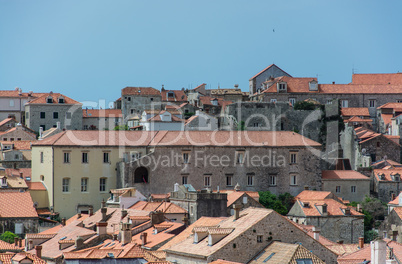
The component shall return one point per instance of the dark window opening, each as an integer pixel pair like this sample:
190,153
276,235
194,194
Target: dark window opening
141,175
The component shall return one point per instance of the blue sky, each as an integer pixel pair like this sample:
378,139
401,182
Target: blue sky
90,49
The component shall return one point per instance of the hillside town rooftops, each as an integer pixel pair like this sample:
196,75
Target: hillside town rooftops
140,91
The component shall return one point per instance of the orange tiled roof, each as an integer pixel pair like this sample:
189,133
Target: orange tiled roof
343,175
377,78
166,207
395,106
199,86
19,257
357,119
36,186
333,207
92,113
43,99
294,84
25,207
179,96
355,111
140,91
386,118
157,118
313,195
221,261
388,173
26,172
5,121
4,246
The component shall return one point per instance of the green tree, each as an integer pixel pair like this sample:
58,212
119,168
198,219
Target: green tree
370,235
241,126
8,237
122,127
279,204
303,105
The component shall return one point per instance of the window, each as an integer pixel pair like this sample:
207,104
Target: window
273,100
338,189
42,178
41,157
18,139
68,115
256,124
304,261
259,239
250,180
43,127
378,144
85,127
11,103
293,179
102,184
66,157
105,157
207,181
11,139
329,101
66,185
292,101
399,101
345,103
229,180
42,115
185,157
84,157
184,179
135,156
293,157
353,189
282,87
151,99
61,100
240,157
55,115
128,98
372,103
49,100
84,184
132,111
272,180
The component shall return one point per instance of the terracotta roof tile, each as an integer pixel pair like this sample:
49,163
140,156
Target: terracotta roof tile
43,99
95,113
358,120
313,195
19,257
386,118
15,182
395,106
5,258
355,111
164,234
26,172
294,84
140,91
4,246
377,78
333,207
25,208
388,173
178,96
221,261
36,186
5,121
343,175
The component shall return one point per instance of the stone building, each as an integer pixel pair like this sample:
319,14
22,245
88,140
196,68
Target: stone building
49,109
134,100
273,117
278,161
202,121
162,120
347,184
326,211
387,183
389,117
240,238
16,154
199,203
391,227
17,133
176,97
272,71
101,119
232,94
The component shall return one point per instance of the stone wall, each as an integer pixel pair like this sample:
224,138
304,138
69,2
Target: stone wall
385,189
132,105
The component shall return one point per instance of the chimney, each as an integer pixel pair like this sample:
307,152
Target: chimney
359,208
38,249
63,221
378,251
340,242
361,242
185,220
79,242
21,175
306,187
123,213
157,217
114,237
176,187
103,211
58,125
20,242
236,86
101,228
125,233
384,234
40,132
144,238
78,215
393,196
236,208
30,243
333,82
316,232
91,211
16,241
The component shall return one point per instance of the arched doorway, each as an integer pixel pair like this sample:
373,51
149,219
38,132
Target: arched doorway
141,175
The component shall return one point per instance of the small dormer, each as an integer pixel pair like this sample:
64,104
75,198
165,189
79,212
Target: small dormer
323,209
61,100
170,94
313,85
214,101
49,99
381,176
396,177
3,182
306,204
166,117
282,87
346,211
200,233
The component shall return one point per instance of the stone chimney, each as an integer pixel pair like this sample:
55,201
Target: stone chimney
185,220
114,237
236,208
378,251
340,242
91,211
78,215
176,187
79,242
38,249
125,233
394,235
359,208
20,242
393,196
103,211
101,228
144,238
16,241
40,132
361,242
63,221
123,213
157,217
316,232
236,86
58,126
21,175
306,187
30,244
